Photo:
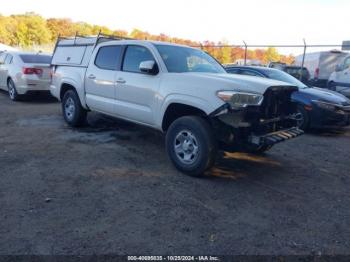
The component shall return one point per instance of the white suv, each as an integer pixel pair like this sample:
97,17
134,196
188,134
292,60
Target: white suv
340,79
175,89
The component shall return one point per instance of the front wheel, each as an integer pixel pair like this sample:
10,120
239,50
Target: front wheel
191,145
73,112
304,121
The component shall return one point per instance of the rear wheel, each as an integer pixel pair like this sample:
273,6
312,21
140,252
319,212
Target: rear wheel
73,112
12,91
304,120
191,145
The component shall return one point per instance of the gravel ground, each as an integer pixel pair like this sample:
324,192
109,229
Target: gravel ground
110,189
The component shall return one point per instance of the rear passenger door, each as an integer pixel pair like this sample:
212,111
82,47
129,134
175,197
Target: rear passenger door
136,91
100,79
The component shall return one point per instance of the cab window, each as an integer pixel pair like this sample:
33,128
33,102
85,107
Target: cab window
108,57
134,55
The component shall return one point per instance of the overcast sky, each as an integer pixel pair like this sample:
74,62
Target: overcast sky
255,21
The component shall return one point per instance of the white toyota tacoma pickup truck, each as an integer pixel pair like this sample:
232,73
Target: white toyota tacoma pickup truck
180,91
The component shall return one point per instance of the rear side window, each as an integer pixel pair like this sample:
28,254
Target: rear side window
134,55
2,58
250,73
108,57
36,59
296,71
8,59
232,70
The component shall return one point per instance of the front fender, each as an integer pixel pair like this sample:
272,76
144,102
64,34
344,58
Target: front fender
188,100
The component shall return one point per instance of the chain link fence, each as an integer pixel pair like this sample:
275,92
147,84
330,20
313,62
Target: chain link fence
296,55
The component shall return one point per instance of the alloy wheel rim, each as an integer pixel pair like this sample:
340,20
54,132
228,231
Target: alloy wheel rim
186,147
300,121
11,91
69,109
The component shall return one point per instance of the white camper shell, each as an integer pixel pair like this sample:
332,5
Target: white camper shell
73,52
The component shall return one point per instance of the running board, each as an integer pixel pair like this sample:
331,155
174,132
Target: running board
276,137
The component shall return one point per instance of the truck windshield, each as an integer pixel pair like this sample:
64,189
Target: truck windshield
180,59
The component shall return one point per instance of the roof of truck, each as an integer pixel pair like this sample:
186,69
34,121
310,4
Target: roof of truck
92,40
144,42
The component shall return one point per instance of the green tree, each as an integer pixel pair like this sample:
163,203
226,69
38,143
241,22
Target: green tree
60,26
82,28
31,29
271,55
8,28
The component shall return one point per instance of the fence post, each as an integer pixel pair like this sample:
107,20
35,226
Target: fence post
302,62
245,53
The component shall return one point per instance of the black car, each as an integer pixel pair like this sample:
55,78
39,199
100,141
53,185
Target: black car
296,70
318,107
293,71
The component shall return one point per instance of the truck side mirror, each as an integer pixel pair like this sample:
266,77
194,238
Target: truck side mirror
149,67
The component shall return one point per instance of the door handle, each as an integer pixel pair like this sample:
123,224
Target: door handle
120,81
92,76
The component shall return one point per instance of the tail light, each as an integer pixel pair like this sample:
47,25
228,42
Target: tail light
52,72
317,73
32,71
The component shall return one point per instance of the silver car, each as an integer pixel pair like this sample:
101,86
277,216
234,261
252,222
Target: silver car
21,73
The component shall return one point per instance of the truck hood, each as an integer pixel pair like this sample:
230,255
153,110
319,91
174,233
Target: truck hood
252,84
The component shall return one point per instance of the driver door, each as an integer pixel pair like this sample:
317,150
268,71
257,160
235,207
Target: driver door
136,91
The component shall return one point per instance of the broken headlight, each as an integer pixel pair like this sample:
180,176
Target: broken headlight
240,99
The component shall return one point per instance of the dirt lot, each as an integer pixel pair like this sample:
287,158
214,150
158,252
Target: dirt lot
110,188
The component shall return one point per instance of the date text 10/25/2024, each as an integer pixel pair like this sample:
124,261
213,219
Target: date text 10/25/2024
173,258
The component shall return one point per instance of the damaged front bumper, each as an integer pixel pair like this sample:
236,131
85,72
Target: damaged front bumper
272,122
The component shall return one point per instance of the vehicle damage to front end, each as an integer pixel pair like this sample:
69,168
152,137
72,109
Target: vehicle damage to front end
252,120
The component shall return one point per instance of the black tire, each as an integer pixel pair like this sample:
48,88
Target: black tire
73,112
304,123
14,96
200,140
258,149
